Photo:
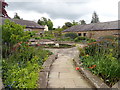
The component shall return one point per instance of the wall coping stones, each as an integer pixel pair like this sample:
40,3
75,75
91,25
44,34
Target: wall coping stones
117,85
44,73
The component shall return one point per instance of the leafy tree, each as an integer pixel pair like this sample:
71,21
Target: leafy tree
95,18
82,22
12,34
16,16
68,24
74,23
45,21
50,24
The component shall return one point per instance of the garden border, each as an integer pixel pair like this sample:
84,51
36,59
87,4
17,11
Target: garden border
44,73
92,79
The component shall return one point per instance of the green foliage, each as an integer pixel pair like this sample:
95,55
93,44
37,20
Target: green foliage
95,18
21,69
105,55
82,22
69,24
32,33
45,21
12,34
37,38
16,16
71,35
20,64
84,39
78,39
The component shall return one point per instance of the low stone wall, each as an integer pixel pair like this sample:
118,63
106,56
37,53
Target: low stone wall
44,73
117,85
92,79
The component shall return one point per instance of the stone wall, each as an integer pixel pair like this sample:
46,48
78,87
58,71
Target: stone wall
96,34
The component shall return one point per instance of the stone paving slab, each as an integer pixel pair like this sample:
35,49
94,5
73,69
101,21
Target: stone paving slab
63,73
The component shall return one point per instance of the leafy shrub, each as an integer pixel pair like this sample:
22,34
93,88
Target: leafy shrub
20,64
21,69
104,56
12,34
78,39
84,39
37,38
71,35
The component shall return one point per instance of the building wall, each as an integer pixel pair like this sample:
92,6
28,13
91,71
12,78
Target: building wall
37,30
96,34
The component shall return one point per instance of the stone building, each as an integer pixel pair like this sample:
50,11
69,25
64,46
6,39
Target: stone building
96,30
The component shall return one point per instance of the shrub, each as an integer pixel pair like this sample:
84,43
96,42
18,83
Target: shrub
71,35
37,38
78,39
104,56
21,69
84,39
12,34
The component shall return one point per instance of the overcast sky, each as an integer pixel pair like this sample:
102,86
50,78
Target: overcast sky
61,11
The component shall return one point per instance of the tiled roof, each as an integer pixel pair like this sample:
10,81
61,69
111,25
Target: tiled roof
113,25
28,24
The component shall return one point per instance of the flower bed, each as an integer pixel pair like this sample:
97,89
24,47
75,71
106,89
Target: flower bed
102,59
21,69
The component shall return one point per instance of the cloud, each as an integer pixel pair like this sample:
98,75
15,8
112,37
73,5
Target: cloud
53,9
64,10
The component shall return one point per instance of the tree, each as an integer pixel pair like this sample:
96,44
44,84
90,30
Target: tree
3,12
82,22
11,35
68,24
95,18
45,21
16,16
50,24
74,23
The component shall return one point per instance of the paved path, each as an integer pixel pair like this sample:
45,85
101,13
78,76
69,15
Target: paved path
63,73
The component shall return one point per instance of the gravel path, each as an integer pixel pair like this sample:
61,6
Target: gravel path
63,73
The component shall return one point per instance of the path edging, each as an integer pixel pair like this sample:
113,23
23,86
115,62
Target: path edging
93,79
44,73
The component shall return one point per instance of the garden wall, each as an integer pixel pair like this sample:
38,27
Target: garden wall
44,73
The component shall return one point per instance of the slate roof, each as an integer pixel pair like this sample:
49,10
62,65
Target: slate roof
28,24
113,25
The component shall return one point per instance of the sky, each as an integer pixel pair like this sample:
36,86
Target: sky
61,11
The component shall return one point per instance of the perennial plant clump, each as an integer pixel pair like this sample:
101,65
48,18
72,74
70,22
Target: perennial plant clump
102,58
